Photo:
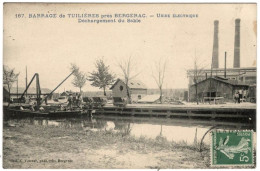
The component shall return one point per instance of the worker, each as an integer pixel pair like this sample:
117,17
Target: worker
74,99
236,96
240,96
32,105
46,100
26,99
70,101
244,94
79,100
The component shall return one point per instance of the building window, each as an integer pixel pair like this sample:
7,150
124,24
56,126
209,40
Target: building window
139,96
121,88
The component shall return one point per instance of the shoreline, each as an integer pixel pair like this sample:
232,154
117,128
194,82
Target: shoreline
45,146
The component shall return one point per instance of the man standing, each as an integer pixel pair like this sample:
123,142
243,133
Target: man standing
236,97
70,101
240,95
79,100
244,94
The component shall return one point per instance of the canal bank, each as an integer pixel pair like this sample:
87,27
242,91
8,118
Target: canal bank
107,142
244,112
90,149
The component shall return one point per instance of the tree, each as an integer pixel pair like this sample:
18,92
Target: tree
158,75
128,67
9,77
80,78
101,77
197,73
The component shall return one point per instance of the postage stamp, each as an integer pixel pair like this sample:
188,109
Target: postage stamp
232,148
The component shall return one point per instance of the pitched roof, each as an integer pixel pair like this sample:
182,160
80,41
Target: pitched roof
225,80
132,84
67,93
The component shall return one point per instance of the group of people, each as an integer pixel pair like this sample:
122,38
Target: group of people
32,102
75,100
239,95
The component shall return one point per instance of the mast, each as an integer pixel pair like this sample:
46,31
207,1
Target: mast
26,81
17,88
38,91
56,88
28,86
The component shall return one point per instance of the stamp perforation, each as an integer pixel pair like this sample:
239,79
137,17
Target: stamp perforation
238,165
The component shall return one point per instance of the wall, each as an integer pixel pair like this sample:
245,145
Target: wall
116,92
136,93
250,74
223,89
177,94
5,95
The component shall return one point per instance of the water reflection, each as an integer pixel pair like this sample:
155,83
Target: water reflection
177,130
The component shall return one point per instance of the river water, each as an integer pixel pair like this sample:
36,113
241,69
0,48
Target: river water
178,130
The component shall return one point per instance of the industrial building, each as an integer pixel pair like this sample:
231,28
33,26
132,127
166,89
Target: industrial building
217,87
66,93
137,89
245,75
15,93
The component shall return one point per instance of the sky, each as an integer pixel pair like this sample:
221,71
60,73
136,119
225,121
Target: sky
49,45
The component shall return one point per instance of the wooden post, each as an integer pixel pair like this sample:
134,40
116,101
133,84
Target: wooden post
213,114
17,88
188,113
225,74
168,114
26,84
132,112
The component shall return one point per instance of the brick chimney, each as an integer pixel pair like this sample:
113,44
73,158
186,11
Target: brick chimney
215,46
237,44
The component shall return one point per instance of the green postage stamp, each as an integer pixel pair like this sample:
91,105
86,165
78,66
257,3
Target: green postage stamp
232,148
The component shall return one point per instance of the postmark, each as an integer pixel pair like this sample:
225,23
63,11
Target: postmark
232,148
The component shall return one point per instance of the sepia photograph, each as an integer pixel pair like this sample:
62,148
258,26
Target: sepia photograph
129,85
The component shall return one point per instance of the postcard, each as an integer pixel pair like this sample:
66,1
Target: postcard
129,85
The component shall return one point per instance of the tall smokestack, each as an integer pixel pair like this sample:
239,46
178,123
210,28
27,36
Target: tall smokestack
237,44
215,46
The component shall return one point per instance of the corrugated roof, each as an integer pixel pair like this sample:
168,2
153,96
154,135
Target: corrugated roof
132,84
227,81
231,81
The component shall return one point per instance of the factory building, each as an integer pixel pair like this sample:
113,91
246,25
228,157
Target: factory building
217,87
245,75
15,93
